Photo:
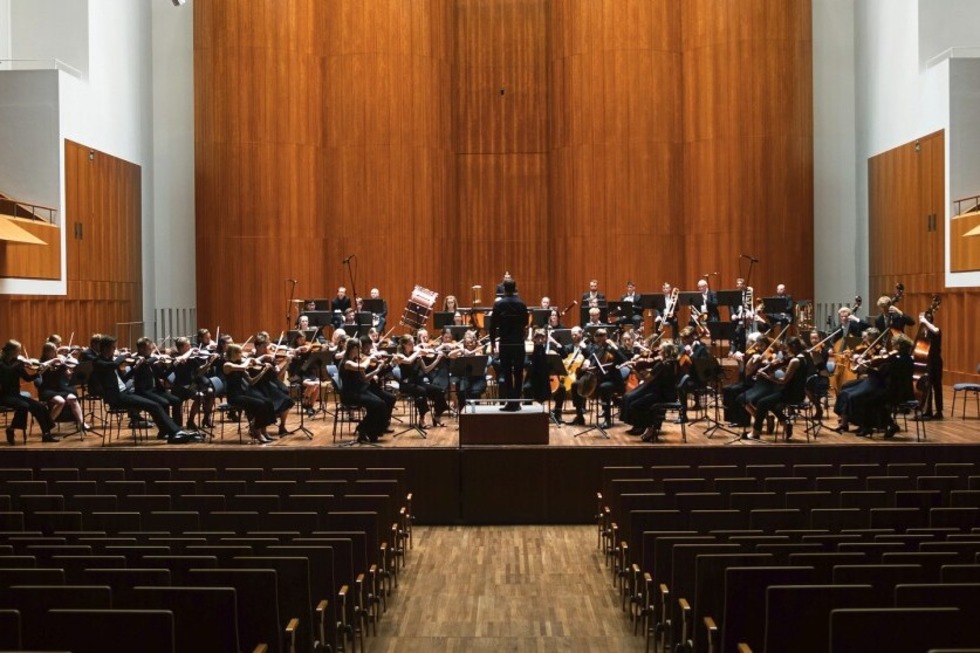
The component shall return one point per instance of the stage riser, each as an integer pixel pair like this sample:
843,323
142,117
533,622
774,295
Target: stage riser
493,485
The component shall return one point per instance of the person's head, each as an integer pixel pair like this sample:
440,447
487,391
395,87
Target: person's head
449,303
48,351
182,344
310,305
594,303
627,339
539,336
702,285
870,335
144,346
352,350
56,339
510,286
554,318
795,345
507,277
406,343
203,337
815,337
928,316
375,293
373,334
739,283
261,341
422,335
668,350
341,292
687,335
577,333
666,288
107,346
844,313
469,339
304,322
902,343
300,339
95,342
339,337
359,303
349,316
546,302
630,287
233,352
884,303
457,318
365,343
781,289
593,285
223,342
594,314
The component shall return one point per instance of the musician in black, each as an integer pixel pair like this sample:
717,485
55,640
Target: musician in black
380,317
659,387
339,306
787,388
537,384
740,314
891,316
500,286
692,351
670,311
270,385
633,297
242,394
508,327
708,302
55,388
146,373
593,294
573,355
848,324
416,382
118,395
783,314
933,407
13,369
604,359
355,390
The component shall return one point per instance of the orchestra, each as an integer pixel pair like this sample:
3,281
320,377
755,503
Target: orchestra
629,364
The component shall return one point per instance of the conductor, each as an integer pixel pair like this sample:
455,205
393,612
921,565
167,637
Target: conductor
507,330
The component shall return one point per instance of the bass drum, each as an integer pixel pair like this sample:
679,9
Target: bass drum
588,382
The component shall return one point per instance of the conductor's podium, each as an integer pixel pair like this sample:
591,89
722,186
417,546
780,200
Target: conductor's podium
483,423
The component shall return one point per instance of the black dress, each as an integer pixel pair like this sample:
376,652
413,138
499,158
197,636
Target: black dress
355,390
241,394
11,375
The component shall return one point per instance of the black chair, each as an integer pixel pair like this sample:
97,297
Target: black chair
10,629
205,618
896,630
745,601
110,631
797,615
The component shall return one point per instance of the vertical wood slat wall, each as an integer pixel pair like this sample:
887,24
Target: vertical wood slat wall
638,139
905,186
104,273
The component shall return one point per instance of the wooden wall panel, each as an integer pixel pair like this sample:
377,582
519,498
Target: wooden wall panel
104,279
616,178
907,184
333,143
30,261
748,141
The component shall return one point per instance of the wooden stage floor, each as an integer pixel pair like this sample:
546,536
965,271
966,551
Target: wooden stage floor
951,430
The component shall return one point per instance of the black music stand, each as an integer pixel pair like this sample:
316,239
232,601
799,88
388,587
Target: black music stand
539,317
721,331
621,312
778,310
458,331
730,298
319,361
372,305
654,301
442,319
318,318
584,315
563,336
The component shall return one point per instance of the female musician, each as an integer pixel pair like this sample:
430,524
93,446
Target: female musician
190,368
889,382
819,355
415,381
933,408
458,319
734,396
305,374
852,396
449,304
270,385
243,394
13,369
474,383
439,376
537,385
355,390
56,389
554,320
786,389
659,388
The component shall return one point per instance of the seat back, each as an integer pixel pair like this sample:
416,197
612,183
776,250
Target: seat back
797,615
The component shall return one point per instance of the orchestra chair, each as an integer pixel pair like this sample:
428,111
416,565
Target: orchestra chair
668,407
344,415
113,421
224,410
6,411
93,415
913,406
966,389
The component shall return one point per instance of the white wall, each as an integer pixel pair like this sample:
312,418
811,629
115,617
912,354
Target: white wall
4,31
963,178
30,168
173,271
945,24
834,154
51,29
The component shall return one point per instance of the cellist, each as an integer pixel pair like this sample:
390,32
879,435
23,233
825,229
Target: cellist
933,405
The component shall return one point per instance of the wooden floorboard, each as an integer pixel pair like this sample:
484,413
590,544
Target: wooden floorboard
505,588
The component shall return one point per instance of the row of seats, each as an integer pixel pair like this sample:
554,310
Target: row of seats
292,572
200,474
703,566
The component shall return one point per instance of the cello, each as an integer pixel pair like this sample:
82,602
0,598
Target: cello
841,372
920,356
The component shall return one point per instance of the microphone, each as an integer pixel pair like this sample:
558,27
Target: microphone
292,281
751,258
347,260
710,274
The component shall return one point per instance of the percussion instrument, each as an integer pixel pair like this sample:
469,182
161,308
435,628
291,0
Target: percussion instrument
420,304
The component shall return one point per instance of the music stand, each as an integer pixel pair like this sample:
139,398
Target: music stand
621,311
721,331
654,301
464,366
730,298
584,315
322,305
563,336
539,317
458,331
442,319
372,305
318,318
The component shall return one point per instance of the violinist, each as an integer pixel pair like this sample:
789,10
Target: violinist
933,407
415,380
14,368
574,355
118,395
301,372
270,385
819,355
604,359
537,382
473,384
55,387
146,372
190,366
356,390
439,376
639,405
734,396
243,395
215,375
692,350
891,316
784,389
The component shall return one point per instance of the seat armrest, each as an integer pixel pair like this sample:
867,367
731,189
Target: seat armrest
291,628
711,629
321,618
685,618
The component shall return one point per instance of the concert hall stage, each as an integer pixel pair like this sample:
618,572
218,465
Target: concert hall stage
453,483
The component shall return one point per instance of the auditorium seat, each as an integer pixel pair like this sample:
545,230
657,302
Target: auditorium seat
34,601
111,631
10,639
257,603
797,616
205,618
896,630
745,601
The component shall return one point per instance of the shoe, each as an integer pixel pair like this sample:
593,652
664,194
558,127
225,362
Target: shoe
605,424
770,424
86,427
788,429
636,430
863,432
362,439
139,424
840,428
754,435
649,435
389,430
578,421
818,414
207,424
937,416
310,412
283,430
161,436
891,430
436,422
557,417
11,436
50,437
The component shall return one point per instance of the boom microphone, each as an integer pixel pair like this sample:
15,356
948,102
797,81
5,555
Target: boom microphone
347,260
751,258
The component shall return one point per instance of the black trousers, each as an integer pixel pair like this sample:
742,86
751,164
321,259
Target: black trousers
257,407
23,405
168,401
511,370
156,411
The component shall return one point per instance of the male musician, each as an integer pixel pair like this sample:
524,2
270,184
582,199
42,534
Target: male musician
546,302
310,305
593,294
672,319
604,359
848,324
891,316
708,303
381,316
740,314
783,316
507,329
933,406
595,317
574,355
633,297
690,379
145,374
339,305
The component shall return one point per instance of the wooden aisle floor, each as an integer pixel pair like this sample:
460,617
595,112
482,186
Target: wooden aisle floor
505,588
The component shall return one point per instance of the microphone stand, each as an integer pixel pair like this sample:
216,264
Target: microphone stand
351,274
289,304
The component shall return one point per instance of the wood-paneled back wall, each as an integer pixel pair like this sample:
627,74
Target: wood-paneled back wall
906,185
445,141
103,198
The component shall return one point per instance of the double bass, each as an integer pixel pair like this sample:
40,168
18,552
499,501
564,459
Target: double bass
920,356
841,373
